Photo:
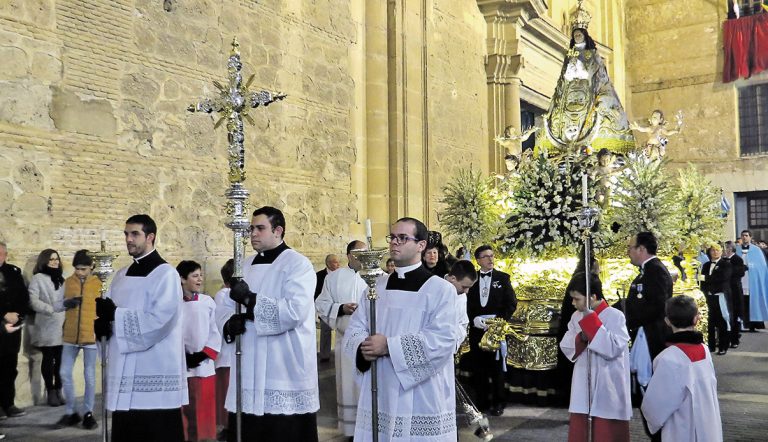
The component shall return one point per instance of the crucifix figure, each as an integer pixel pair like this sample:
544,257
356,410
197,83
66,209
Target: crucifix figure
233,103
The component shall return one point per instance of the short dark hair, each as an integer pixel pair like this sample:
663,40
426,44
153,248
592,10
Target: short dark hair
482,249
353,245
463,269
647,240
579,284
681,310
747,231
389,260
186,267
275,217
227,270
82,258
421,233
147,224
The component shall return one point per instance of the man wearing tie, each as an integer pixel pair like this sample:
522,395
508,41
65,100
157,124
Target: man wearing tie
716,285
491,296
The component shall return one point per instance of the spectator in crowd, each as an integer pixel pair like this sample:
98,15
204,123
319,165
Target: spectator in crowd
14,302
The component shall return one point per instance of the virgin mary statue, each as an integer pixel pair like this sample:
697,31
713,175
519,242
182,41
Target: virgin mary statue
585,111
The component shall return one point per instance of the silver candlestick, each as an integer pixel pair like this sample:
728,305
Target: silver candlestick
103,270
370,262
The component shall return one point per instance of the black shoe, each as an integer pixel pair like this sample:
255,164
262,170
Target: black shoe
14,411
89,423
734,345
496,411
222,436
722,352
69,420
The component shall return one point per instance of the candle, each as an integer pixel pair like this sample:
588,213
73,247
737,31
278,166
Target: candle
368,233
103,235
584,189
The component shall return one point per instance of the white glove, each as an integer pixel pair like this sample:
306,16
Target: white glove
479,322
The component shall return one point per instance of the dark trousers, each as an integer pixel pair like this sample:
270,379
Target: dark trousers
275,427
735,308
9,358
488,380
717,328
51,366
163,425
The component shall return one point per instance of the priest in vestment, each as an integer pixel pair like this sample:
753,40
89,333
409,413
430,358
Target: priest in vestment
754,282
413,347
279,365
342,292
141,317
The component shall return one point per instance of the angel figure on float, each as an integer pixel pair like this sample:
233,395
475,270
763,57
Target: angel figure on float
513,139
656,145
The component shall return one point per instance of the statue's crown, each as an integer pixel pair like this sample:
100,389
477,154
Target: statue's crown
580,18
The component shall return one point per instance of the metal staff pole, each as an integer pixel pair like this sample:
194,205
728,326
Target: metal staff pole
103,269
370,271
233,104
587,218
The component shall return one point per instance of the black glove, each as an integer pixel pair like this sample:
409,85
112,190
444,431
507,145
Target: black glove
102,328
242,294
195,359
105,309
72,302
235,326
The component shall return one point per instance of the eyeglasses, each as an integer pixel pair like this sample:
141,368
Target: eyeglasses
485,256
401,239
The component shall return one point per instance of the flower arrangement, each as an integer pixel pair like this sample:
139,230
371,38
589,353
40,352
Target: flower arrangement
700,221
470,216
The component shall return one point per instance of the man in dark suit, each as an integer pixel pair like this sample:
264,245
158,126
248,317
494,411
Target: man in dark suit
491,296
331,263
14,301
736,299
716,285
646,300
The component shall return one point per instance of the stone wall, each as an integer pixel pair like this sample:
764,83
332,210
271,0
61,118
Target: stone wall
675,62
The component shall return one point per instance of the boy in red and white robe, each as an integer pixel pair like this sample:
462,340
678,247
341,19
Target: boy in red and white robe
202,342
600,335
681,399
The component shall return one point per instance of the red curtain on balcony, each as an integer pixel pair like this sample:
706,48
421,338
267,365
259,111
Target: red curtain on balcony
745,42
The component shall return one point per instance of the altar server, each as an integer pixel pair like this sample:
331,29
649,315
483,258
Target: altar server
462,276
413,347
342,292
146,371
600,335
279,364
226,355
681,399
202,342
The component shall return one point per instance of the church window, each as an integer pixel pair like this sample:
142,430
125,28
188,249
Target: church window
753,119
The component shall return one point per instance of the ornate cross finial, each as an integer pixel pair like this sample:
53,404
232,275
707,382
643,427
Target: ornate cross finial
233,104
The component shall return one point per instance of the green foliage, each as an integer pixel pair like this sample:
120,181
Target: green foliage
471,215
700,220
644,201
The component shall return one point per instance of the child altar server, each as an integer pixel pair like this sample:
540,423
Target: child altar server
681,399
202,342
596,341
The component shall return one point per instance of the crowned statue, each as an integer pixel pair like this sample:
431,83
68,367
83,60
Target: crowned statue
585,111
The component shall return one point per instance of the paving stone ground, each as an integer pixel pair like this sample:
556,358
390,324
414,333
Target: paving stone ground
742,384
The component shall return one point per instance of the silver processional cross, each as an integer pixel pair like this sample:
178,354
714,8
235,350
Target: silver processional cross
232,104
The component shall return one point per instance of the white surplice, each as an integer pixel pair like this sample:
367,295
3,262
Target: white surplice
342,287
609,358
416,390
279,347
146,366
681,398
201,332
227,352
462,320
